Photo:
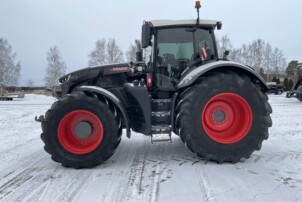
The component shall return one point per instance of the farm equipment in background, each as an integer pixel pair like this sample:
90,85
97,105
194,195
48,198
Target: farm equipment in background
296,91
4,96
274,88
218,108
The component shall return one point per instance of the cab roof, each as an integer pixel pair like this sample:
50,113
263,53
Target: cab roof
189,22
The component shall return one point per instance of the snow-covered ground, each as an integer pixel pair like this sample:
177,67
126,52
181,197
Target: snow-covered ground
140,171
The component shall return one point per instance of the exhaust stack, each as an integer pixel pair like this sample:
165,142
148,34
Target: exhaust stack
139,51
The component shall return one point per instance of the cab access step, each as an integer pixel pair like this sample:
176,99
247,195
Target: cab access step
161,121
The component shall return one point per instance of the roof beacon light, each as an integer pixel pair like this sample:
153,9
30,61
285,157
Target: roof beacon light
197,6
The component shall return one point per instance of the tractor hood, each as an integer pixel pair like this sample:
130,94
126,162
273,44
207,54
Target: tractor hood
92,72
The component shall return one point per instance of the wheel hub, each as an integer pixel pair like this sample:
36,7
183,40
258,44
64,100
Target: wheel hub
227,118
83,129
80,132
219,116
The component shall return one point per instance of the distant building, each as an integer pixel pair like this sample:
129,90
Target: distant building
12,89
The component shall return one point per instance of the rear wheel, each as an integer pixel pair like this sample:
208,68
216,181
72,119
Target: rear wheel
223,117
80,131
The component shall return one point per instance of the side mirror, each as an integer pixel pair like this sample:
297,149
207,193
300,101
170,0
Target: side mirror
225,54
146,35
219,25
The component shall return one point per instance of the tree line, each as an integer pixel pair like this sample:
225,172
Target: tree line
259,54
106,51
267,60
293,72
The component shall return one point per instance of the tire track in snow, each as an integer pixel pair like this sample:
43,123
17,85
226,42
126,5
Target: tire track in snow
156,176
120,169
9,152
18,131
12,180
74,182
7,173
133,186
279,156
204,183
145,175
41,180
140,181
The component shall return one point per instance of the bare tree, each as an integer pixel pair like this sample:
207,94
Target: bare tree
267,58
114,52
29,84
55,67
105,52
98,55
256,51
9,68
223,45
259,54
278,62
131,53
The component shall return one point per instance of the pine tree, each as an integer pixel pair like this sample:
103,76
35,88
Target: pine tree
292,68
278,81
274,79
291,83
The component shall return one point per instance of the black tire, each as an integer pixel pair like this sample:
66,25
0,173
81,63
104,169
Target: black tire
91,104
190,113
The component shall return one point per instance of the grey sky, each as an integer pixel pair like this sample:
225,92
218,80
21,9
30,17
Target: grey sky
33,26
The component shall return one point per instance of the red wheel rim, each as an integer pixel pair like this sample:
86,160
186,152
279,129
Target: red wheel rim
227,118
68,135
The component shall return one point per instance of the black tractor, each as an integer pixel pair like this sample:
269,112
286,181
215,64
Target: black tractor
218,108
296,90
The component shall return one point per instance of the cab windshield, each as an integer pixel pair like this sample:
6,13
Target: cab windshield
179,47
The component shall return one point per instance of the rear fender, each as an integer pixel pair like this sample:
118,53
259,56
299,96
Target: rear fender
189,78
111,97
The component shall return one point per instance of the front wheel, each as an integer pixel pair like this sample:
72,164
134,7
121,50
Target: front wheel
223,117
80,131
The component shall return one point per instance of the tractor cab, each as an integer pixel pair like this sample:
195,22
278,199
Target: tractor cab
177,47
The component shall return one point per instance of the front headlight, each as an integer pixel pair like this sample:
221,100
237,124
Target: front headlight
69,77
64,79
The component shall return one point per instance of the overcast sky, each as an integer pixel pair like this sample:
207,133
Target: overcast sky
33,26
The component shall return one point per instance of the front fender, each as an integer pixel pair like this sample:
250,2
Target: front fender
108,95
191,77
